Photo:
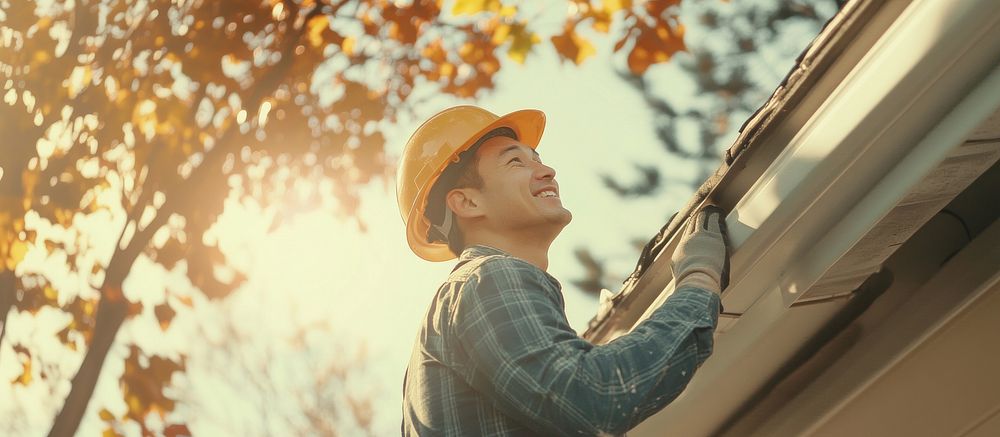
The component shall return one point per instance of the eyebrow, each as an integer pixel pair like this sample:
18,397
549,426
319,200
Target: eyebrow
517,147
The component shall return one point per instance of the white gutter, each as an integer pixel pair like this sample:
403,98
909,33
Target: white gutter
892,120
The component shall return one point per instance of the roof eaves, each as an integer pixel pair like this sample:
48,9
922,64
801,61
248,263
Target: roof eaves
810,66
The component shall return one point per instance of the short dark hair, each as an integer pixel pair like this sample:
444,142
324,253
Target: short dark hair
461,174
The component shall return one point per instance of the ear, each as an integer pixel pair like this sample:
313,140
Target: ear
464,203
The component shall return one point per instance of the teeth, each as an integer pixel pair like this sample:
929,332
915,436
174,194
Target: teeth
547,193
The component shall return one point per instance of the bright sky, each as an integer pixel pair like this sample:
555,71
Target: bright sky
320,281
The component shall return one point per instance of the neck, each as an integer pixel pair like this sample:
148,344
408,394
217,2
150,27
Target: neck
531,248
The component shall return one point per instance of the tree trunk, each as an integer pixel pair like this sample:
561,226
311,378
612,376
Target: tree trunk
112,309
110,315
7,299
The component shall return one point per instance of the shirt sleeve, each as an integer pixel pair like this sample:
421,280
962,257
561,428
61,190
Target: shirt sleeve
524,355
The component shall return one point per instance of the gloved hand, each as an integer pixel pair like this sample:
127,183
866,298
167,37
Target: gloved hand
702,256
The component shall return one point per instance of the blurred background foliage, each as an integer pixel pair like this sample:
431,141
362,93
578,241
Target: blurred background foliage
149,114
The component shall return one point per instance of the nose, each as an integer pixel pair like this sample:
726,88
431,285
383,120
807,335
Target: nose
543,171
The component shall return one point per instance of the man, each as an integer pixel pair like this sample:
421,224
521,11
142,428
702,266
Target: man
495,354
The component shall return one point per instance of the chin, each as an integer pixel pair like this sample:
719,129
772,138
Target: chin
563,217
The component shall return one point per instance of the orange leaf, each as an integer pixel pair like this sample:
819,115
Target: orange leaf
176,430
602,21
655,45
656,8
572,46
186,300
164,314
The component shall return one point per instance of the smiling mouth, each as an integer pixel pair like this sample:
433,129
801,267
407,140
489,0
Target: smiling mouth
547,193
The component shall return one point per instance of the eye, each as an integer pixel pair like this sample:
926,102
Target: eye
515,160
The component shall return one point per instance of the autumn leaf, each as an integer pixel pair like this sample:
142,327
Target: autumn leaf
655,45
164,314
521,41
25,377
348,45
612,6
472,7
63,335
142,385
17,251
176,430
601,21
317,26
571,46
657,8
602,16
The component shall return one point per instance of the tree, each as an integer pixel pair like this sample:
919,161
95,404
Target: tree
751,46
319,379
147,115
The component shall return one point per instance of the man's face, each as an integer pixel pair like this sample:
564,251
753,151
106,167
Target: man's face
519,192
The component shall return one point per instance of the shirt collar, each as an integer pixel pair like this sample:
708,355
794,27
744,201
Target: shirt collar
481,250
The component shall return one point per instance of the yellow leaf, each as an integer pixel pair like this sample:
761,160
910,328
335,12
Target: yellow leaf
523,41
612,6
586,49
602,21
508,11
348,45
316,27
446,69
50,293
472,7
25,377
43,23
501,34
135,405
40,57
17,252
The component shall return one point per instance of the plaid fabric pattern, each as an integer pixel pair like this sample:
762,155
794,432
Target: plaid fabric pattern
495,356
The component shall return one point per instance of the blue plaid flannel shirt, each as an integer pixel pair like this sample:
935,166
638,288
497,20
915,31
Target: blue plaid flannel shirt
495,356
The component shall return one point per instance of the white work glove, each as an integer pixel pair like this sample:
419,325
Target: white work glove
702,256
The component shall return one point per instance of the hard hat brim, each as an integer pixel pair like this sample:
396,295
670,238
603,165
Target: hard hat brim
527,123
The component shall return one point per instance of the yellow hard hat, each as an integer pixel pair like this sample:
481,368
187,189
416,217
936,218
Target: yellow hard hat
437,143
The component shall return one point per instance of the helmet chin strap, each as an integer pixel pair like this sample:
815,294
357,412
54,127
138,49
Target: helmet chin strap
445,228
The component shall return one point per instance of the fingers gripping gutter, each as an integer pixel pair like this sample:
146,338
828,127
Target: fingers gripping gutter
702,256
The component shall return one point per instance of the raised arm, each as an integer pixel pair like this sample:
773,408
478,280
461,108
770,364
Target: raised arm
525,356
